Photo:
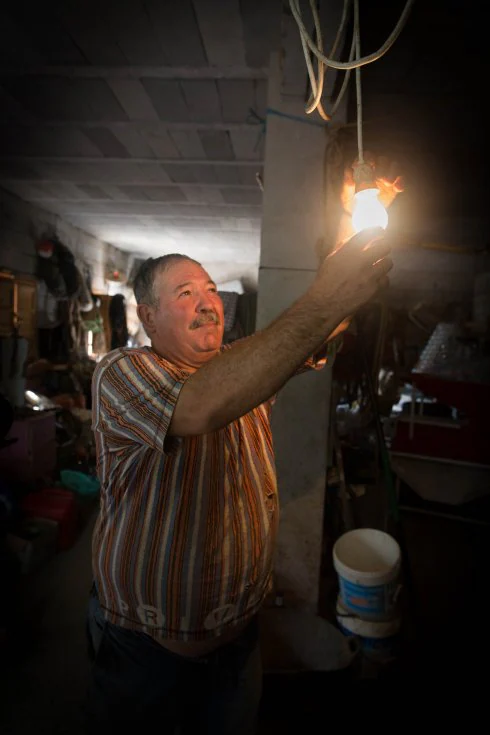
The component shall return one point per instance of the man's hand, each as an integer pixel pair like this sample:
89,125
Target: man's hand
353,273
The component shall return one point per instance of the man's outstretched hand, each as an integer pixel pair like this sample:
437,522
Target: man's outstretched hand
372,277
353,273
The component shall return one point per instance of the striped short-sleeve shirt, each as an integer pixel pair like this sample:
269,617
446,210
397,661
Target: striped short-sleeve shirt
183,544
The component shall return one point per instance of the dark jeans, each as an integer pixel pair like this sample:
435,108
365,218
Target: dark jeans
138,686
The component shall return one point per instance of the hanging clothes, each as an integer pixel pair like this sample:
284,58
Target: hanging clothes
118,322
64,292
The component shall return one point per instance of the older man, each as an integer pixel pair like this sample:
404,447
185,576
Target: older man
182,551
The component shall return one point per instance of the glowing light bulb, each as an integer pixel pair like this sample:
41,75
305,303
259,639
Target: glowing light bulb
367,210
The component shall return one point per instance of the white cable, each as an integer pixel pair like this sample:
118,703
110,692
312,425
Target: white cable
309,66
315,97
296,11
345,83
357,37
314,102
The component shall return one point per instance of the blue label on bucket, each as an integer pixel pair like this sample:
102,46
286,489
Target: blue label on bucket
361,599
383,647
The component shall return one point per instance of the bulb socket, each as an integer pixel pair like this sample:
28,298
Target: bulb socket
364,176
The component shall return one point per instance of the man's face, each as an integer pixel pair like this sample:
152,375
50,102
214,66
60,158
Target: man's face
187,326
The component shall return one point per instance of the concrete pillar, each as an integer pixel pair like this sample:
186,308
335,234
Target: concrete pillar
293,224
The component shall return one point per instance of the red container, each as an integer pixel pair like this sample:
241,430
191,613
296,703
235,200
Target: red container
58,505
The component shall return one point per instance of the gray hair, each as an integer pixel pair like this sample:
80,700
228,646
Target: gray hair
144,282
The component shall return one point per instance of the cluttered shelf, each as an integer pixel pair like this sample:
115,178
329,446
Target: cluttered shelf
48,487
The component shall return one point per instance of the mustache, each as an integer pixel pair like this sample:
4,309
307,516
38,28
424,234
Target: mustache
210,318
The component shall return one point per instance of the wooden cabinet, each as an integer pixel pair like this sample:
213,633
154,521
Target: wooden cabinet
18,308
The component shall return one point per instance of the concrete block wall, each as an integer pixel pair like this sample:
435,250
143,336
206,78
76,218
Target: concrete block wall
433,277
436,259
23,224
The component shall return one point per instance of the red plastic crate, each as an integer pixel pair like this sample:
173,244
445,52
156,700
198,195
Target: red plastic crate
58,505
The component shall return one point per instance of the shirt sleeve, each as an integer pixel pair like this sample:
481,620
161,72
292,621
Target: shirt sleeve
324,356
137,398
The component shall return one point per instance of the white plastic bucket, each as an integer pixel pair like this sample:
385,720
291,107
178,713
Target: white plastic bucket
367,562
378,639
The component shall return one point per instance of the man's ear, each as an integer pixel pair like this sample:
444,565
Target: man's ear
146,315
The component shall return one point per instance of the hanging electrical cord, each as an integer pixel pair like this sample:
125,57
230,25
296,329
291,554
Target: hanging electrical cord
344,65
323,62
357,43
314,102
345,83
315,83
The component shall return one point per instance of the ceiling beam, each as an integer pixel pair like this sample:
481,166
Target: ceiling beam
129,125
183,226
99,216
183,203
120,182
137,72
155,161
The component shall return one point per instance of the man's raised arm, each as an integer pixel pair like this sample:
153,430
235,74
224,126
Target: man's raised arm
253,370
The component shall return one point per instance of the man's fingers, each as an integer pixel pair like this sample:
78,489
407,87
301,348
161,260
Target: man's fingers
375,251
382,267
362,240
384,282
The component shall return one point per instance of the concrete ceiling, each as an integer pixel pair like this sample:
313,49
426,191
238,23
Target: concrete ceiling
139,120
